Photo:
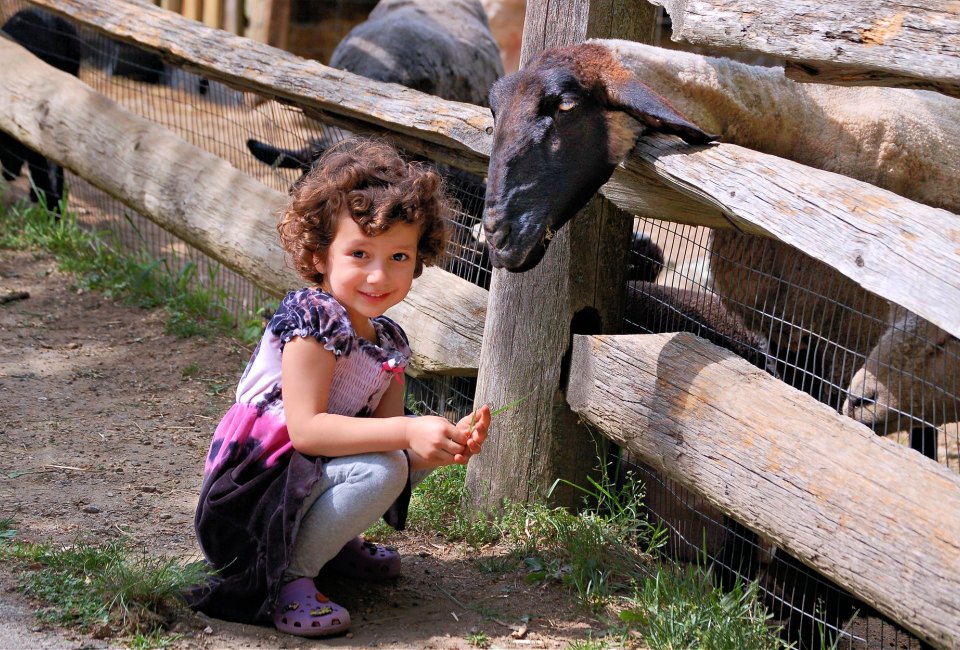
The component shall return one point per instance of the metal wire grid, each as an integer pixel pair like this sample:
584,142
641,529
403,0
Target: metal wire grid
449,397
220,120
789,343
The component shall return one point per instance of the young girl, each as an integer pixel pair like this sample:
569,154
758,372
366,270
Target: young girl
317,447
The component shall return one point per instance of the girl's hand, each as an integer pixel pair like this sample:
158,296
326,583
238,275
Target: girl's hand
472,437
434,439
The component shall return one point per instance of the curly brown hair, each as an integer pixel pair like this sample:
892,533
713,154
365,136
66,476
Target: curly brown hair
368,179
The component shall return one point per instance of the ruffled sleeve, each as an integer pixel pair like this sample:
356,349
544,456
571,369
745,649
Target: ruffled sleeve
314,314
392,337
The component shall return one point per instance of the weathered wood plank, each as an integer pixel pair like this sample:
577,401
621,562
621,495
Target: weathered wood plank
460,132
531,315
861,42
884,242
816,483
229,215
462,128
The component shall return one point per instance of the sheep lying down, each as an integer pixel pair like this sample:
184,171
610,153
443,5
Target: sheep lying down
595,99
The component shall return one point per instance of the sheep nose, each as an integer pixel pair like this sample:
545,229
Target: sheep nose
855,402
494,227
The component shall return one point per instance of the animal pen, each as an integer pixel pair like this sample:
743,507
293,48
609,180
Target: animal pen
854,533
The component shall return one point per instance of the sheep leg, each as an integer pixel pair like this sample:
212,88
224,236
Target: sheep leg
43,180
12,154
924,440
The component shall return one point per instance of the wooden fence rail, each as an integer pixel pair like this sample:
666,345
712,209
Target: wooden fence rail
825,502
769,455
857,42
656,181
229,215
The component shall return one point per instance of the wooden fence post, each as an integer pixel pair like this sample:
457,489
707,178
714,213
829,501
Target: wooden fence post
213,13
192,9
577,288
172,5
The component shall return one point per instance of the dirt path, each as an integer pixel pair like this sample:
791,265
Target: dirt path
104,422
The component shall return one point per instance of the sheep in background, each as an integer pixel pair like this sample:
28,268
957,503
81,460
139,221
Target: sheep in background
442,48
910,380
693,525
506,24
53,40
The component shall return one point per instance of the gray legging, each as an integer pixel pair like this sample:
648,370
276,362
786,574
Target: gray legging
351,496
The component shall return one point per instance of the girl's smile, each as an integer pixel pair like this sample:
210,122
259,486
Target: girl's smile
369,275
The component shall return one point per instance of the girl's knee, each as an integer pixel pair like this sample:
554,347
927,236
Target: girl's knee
388,470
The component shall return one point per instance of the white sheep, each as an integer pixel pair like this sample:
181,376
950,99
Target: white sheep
910,380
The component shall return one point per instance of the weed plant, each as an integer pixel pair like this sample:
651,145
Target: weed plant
680,609
193,307
109,589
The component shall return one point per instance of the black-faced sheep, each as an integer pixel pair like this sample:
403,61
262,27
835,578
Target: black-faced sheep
571,115
53,40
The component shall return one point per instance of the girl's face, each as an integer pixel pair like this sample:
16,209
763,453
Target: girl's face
369,275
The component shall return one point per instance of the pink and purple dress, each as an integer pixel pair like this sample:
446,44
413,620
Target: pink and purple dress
254,480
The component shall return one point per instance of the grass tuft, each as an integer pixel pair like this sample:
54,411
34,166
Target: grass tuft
681,609
107,590
98,263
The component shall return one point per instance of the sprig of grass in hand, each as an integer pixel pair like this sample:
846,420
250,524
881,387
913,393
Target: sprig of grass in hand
496,411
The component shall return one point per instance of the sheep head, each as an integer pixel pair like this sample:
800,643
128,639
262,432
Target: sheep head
561,126
914,370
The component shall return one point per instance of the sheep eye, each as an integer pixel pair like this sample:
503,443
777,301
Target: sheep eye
567,105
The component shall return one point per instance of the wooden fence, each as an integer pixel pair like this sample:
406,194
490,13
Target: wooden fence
758,450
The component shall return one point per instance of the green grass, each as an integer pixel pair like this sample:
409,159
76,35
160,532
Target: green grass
604,555
679,609
109,589
98,263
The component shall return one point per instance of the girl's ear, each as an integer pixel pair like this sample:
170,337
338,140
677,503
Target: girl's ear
320,263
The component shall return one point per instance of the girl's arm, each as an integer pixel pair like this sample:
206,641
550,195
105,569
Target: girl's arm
307,373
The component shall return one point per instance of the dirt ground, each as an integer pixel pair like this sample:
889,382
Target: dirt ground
103,430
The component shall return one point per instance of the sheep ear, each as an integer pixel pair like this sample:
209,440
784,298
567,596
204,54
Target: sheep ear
640,102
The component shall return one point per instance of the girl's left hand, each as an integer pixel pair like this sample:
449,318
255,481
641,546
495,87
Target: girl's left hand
472,438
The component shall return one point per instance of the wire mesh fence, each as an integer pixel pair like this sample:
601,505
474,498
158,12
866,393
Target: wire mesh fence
816,333
223,121
806,326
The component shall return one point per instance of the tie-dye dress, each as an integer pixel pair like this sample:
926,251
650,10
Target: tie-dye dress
254,481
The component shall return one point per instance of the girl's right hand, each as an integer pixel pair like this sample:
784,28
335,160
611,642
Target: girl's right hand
433,439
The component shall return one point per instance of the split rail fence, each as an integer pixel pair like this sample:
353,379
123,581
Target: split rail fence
875,517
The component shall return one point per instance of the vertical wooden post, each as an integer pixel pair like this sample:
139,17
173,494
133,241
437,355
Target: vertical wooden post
270,22
213,13
577,288
233,17
278,23
192,9
172,5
